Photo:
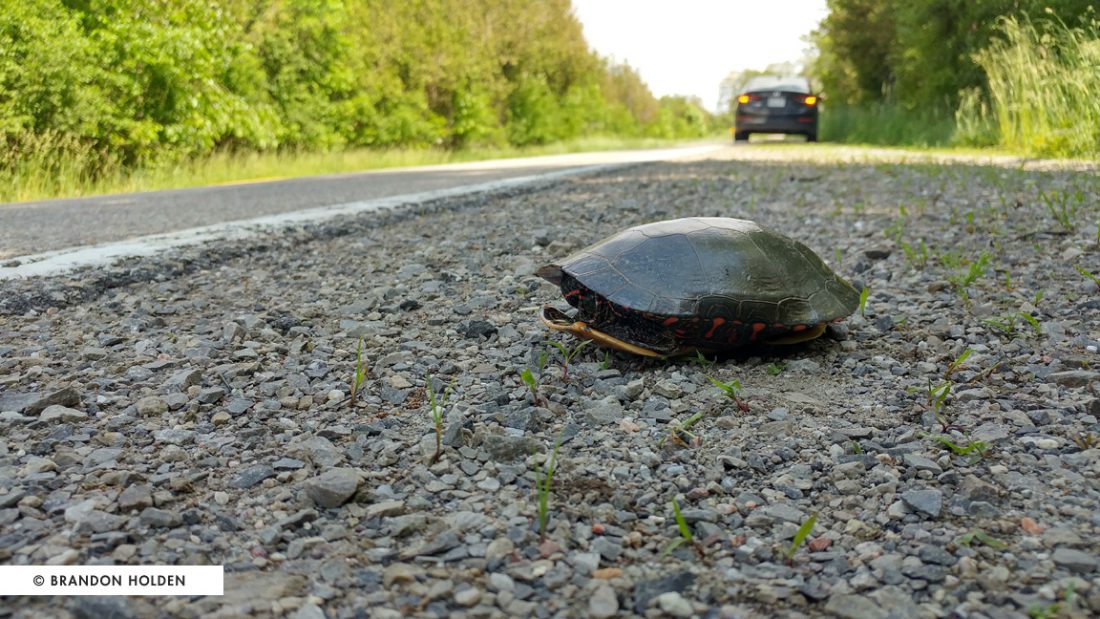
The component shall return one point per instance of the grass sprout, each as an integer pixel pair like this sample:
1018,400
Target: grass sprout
360,371
543,485
567,354
980,536
686,536
800,536
438,404
732,390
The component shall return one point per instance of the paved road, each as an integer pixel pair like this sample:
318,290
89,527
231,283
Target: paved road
31,228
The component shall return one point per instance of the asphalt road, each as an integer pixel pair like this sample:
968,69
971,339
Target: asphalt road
31,228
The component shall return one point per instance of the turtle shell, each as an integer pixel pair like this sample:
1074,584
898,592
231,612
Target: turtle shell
706,271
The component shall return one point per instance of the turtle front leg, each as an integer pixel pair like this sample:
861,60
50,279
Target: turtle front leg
559,321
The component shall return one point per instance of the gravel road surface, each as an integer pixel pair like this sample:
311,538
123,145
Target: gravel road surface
194,408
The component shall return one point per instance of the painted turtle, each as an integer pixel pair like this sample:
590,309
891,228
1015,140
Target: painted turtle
699,284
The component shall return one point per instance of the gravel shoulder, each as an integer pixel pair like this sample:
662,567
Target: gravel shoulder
194,408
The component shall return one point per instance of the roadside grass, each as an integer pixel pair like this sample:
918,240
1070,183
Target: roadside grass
886,125
53,166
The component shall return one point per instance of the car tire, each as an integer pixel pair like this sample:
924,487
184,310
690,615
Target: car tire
742,136
811,137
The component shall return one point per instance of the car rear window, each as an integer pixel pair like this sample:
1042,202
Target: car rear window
789,84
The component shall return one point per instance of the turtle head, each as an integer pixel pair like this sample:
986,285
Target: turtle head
551,273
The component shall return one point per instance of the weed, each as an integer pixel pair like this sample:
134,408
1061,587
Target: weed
962,280
975,449
567,354
918,257
1038,611
1061,209
977,535
532,383
1086,440
543,487
686,536
702,361
437,410
675,429
775,369
800,536
863,294
605,364
957,364
1005,324
1083,271
360,371
857,449
732,390
1033,322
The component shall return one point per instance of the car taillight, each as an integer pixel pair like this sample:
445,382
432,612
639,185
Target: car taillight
810,100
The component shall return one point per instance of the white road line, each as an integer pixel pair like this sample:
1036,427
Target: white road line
69,259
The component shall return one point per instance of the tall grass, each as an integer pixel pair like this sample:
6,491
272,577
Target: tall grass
1044,83
885,124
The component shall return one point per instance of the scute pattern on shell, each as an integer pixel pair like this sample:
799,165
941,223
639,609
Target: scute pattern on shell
713,267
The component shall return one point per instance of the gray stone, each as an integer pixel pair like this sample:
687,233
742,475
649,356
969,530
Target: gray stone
36,402
605,411
135,496
251,476
1075,378
1074,560
55,412
161,518
928,502
333,487
646,590
102,607
849,606
211,395
672,603
151,405
238,406
503,448
183,379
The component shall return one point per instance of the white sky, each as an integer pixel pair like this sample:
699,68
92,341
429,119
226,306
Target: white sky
686,47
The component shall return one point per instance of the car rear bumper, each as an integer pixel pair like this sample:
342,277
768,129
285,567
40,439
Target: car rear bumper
753,123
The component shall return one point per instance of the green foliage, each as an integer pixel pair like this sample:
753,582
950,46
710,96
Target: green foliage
544,484
686,536
800,536
437,406
91,87
1019,73
360,371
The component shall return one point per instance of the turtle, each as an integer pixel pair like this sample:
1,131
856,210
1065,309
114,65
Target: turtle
700,284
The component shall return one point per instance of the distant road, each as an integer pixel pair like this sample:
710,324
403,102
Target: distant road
40,232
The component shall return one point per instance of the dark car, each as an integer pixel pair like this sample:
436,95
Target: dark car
776,105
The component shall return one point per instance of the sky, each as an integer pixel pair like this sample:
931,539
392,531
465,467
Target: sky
686,47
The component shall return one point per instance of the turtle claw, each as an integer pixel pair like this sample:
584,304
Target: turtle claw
559,321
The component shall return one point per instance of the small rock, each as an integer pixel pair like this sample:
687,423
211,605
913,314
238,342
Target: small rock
1075,378
333,487
135,496
928,502
55,412
467,597
1074,560
153,517
674,604
151,405
252,475
603,603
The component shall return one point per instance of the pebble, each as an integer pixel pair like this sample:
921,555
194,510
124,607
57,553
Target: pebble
333,487
674,604
603,603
